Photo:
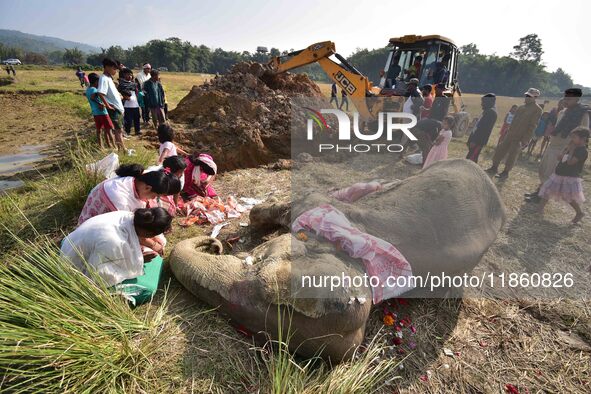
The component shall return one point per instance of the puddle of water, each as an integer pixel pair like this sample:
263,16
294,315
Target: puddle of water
24,160
6,185
13,164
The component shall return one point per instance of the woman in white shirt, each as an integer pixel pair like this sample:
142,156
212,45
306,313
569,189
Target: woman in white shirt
110,243
130,190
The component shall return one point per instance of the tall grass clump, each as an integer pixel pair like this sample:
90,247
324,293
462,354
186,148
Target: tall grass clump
61,332
279,371
51,204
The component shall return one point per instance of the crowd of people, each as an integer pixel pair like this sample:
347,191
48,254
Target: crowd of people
119,106
562,133
122,224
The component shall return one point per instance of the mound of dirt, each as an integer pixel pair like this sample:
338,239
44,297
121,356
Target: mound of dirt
242,118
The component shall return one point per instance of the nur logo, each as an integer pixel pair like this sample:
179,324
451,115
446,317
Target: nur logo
387,122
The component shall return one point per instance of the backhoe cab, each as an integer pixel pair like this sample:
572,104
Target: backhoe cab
430,59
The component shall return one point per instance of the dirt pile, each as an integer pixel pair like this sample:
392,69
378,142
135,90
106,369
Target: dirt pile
242,118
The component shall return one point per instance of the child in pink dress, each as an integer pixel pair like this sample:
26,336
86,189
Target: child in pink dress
439,149
566,183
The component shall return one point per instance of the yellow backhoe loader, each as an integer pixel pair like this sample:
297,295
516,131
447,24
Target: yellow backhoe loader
431,59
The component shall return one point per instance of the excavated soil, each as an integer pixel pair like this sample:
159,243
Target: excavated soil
242,118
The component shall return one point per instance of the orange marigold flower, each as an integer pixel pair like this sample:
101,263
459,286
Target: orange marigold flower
302,236
388,320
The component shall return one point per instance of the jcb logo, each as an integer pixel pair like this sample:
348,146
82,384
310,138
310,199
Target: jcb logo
345,83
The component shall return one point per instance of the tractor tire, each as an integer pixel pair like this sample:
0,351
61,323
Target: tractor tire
462,123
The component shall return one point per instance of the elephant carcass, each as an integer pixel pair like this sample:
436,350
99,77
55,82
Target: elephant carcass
442,219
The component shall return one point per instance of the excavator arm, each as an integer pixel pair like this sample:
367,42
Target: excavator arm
352,81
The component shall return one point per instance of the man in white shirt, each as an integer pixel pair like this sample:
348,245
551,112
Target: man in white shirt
112,99
141,78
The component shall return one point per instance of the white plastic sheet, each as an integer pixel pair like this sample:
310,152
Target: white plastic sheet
105,166
416,159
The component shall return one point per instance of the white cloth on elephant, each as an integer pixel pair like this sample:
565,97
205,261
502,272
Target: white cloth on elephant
380,258
107,243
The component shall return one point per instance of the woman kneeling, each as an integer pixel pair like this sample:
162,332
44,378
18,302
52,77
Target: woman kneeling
110,243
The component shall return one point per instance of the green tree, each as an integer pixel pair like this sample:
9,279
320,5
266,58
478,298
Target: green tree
35,58
55,57
7,52
370,62
529,48
74,56
116,53
470,49
561,79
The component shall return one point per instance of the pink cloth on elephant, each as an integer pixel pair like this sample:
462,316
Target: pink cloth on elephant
380,258
356,191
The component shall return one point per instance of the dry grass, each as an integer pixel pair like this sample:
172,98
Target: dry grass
538,346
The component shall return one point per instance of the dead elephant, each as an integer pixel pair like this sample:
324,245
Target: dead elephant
442,219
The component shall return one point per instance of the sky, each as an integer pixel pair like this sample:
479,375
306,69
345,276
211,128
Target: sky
494,26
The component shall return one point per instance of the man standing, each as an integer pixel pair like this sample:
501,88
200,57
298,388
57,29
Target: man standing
112,99
440,105
154,98
333,94
523,125
479,137
344,100
574,115
393,72
141,78
414,98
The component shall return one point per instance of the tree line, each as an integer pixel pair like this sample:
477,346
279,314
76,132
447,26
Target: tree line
508,75
172,53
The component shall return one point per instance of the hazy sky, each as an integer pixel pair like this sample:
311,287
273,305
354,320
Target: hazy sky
495,26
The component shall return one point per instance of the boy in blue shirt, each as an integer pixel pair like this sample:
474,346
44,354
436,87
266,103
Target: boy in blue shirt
99,112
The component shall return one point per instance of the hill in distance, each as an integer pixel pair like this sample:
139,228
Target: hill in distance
41,44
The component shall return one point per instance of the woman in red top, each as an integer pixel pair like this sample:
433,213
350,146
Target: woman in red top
199,175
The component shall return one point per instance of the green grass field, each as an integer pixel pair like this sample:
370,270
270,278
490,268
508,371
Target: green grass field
63,80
